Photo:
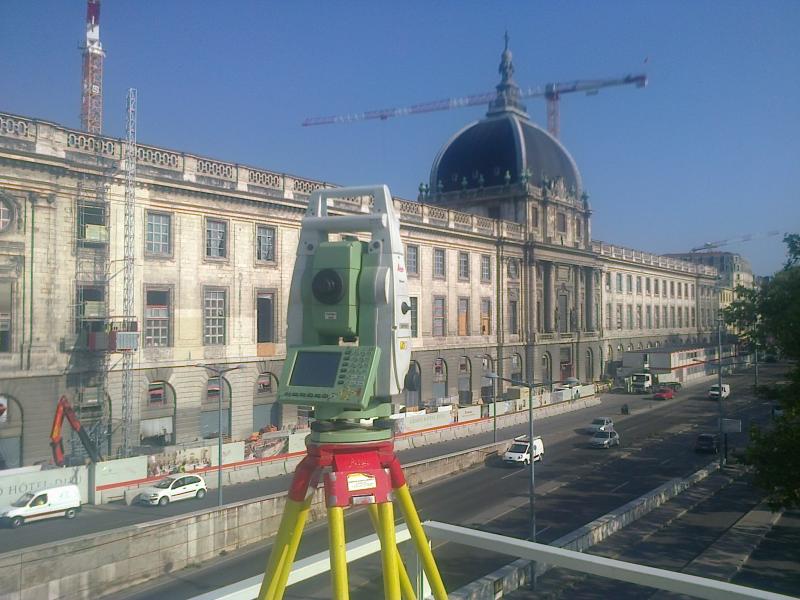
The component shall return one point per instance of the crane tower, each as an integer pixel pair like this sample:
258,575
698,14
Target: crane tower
92,84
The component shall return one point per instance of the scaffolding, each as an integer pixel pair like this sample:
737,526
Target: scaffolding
128,291
98,332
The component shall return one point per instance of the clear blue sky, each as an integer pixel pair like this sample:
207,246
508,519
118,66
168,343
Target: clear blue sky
709,150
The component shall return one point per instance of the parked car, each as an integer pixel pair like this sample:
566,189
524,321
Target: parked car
664,393
63,501
707,442
519,453
714,391
601,424
172,488
777,411
604,439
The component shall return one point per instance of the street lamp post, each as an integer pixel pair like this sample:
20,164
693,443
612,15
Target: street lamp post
219,373
719,394
532,474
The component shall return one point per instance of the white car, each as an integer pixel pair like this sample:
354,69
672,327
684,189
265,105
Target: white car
519,453
601,424
604,439
172,488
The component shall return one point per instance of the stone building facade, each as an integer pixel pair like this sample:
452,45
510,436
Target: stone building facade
504,277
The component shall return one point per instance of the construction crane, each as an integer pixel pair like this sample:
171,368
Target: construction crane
92,84
551,92
734,240
64,410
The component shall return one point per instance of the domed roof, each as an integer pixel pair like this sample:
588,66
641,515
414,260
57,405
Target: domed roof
506,141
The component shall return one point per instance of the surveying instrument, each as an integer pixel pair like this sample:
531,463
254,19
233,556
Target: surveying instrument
347,351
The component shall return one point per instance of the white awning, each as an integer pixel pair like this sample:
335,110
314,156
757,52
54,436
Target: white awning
153,427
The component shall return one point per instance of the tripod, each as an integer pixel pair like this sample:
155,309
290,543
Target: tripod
361,473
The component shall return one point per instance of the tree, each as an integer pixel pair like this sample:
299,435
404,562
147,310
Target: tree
771,316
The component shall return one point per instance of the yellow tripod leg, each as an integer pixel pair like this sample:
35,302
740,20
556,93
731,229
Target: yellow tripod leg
389,557
338,553
420,542
406,587
279,564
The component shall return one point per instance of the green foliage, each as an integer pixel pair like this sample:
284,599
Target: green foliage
770,317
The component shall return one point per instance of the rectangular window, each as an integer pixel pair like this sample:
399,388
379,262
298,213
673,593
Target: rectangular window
638,316
655,287
414,316
609,316
463,316
157,318
214,315
629,281
463,265
671,289
578,228
486,316
486,268
265,317
561,223
412,260
608,282
693,317
158,234
647,286
638,285
513,317
439,316
649,317
5,316
680,317
672,316
657,314
216,239
535,218
665,324
680,295
265,243
619,283
439,267
629,315
692,290
619,316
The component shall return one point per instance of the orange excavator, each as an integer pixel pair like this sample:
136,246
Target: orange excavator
64,409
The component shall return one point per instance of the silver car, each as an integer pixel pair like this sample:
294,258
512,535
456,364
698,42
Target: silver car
604,439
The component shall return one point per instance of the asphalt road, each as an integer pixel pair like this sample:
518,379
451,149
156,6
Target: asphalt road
575,485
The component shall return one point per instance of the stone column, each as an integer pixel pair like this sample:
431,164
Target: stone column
549,297
588,275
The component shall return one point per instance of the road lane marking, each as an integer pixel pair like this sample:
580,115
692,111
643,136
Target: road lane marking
620,486
665,461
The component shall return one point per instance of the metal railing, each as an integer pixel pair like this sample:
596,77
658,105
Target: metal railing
662,579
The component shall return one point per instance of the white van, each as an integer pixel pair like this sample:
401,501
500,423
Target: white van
519,453
63,501
714,392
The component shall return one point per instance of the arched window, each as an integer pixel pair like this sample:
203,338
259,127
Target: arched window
516,367
439,387
464,381
589,366
547,372
487,384
218,400
413,397
155,427
11,422
266,410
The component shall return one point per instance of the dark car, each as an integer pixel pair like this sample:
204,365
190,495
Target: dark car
707,442
664,393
